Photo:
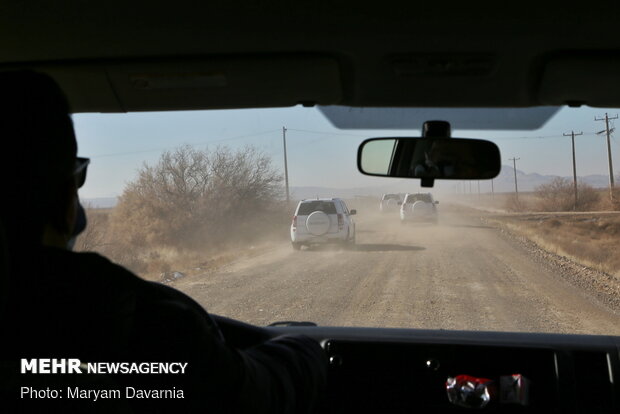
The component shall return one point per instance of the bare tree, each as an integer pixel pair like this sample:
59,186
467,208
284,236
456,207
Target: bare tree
93,238
192,197
558,195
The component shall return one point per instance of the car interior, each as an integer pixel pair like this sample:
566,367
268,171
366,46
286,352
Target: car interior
118,57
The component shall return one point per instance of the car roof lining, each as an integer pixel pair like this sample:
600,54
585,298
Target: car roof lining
282,53
196,83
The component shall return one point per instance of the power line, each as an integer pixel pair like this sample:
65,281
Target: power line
193,144
365,135
328,133
529,137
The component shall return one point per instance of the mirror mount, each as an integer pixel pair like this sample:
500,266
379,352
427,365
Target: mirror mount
427,182
436,130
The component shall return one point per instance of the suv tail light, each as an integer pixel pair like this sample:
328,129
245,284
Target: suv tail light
340,222
294,223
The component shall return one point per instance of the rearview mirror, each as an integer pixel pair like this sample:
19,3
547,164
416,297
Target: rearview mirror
429,158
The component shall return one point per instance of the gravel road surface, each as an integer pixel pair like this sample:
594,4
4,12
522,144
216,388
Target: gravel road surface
460,274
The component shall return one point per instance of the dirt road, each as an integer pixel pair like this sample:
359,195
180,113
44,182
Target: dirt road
459,274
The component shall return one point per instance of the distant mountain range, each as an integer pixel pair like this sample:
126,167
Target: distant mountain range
502,183
528,182
99,202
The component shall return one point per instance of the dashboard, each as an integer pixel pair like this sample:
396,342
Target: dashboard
405,370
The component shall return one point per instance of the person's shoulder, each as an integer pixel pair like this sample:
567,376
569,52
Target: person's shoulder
99,270
161,292
92,265
150,289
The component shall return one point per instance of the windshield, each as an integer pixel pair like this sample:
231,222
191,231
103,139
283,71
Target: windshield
205,201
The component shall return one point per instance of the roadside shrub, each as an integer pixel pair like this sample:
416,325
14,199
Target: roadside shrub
558,195
195,199
94,236
607,204
188,206
515,204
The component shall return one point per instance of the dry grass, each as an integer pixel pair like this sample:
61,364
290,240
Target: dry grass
545,217
532,202
499,201
588,238
155,261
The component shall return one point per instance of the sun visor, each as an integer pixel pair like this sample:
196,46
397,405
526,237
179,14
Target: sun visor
581,80
346,117
217,83
226,83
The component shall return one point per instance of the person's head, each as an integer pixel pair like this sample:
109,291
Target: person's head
38,160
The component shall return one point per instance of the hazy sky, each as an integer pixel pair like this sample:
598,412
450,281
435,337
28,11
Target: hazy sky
318,153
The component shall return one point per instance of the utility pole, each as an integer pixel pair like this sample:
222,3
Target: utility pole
514,163
492,189
611,168
478,189
572,135
288,198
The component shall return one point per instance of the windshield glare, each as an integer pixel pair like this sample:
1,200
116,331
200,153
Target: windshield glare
205,201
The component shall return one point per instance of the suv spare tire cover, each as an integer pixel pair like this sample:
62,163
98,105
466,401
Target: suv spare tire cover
318,223
420,207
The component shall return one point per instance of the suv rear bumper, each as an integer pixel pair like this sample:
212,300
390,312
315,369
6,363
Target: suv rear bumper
311,239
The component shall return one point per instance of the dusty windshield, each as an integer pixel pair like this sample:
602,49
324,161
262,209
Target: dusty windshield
202,201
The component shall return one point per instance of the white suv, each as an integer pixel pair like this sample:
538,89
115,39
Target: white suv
390,202
419,207
322,220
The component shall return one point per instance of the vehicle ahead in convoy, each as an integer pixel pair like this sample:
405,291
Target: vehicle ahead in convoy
323,220
390,202
419,207
422,57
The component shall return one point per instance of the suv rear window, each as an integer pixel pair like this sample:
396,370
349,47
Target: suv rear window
419,197
327,207
391,197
